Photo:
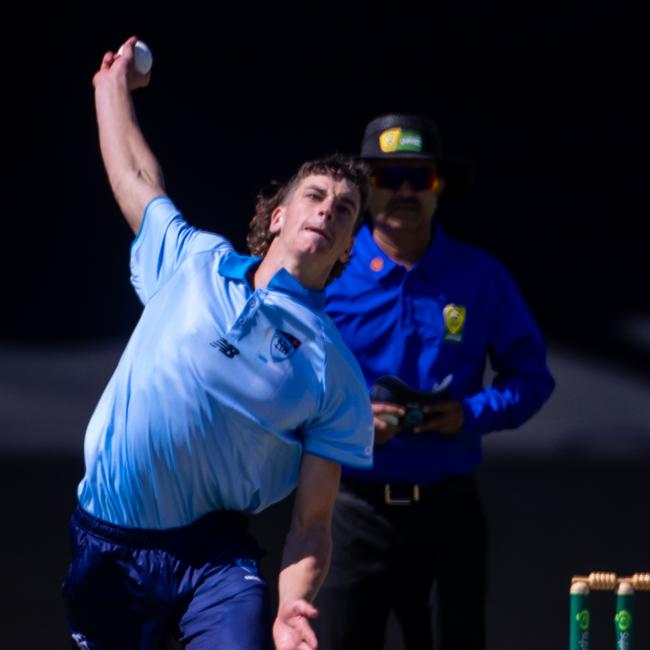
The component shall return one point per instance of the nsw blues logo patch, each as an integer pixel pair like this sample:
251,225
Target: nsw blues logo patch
283,345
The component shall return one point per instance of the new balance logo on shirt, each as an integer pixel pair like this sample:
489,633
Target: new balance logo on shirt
283,345
227,348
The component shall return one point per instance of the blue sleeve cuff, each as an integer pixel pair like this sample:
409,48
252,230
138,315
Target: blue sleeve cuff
144,216
471,420
351,458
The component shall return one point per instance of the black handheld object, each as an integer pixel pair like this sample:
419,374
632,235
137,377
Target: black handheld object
389,388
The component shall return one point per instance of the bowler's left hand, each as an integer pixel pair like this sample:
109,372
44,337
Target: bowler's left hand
291,630
445,417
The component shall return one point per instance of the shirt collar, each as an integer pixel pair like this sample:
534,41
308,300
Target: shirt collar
435,254
236,267
372,257
286,283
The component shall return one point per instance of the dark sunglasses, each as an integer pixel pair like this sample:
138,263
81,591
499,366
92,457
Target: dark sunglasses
392,178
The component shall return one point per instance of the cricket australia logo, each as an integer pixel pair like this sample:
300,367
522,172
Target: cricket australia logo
454,316
283,345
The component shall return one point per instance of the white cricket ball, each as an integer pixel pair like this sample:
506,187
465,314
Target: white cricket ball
142,57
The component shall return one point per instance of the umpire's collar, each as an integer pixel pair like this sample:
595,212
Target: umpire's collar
370,256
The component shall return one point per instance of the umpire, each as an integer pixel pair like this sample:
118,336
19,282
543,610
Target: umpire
429,310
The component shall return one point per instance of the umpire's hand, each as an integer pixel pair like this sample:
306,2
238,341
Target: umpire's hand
386,420
444,417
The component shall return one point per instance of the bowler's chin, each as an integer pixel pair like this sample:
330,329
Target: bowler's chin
316,244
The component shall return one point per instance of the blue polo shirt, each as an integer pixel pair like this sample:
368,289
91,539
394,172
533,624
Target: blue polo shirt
441,321
221,387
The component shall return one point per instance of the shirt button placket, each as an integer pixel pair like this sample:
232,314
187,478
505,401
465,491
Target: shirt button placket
406,302
245,317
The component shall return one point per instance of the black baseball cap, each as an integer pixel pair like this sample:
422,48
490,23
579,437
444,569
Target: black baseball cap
402,136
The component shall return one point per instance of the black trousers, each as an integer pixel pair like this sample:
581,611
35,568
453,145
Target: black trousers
403,558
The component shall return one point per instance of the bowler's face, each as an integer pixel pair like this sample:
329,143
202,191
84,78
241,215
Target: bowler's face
318,219
405,207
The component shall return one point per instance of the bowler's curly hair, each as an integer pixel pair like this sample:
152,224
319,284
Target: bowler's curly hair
338,167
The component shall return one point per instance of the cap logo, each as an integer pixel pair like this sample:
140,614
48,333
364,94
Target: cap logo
396,140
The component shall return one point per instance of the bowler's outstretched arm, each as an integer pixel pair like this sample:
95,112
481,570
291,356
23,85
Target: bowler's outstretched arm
306,556
133,171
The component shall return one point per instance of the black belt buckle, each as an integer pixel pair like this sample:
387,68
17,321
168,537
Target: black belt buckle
390,500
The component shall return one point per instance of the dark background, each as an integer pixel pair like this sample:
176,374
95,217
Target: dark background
548,100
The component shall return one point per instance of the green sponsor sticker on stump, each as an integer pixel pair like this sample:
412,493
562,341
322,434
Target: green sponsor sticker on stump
624,618
579,618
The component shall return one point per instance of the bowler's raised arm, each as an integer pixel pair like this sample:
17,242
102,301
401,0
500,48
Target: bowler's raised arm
133,171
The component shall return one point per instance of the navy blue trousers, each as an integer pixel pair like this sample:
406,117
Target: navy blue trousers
129,589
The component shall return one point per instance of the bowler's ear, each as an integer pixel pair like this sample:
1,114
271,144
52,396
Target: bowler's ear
439,186
277,220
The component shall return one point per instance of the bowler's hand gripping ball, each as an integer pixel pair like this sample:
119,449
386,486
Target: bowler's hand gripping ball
142,57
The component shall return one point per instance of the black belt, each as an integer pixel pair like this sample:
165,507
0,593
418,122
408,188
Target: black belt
405,494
